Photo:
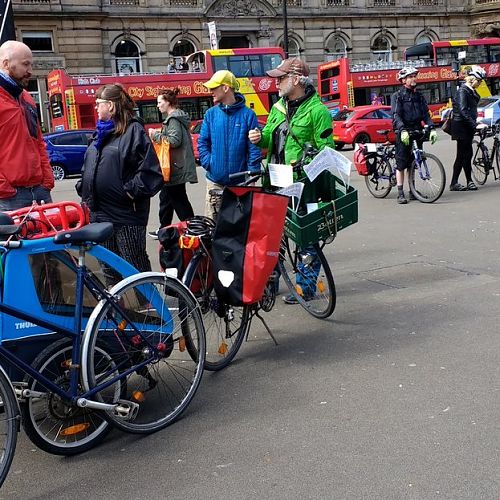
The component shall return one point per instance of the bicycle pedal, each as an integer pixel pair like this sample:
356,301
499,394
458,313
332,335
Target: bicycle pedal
126,410
19,388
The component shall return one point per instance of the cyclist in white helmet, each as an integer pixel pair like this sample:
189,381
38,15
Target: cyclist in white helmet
409,112
463,127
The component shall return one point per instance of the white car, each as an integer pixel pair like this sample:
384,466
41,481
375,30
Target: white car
488,110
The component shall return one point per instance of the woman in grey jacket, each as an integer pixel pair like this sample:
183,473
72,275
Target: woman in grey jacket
175,130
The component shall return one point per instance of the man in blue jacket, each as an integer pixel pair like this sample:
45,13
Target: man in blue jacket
223,144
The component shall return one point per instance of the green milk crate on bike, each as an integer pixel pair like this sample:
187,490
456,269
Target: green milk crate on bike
337,209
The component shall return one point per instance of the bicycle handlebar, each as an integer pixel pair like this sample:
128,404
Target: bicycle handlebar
249,176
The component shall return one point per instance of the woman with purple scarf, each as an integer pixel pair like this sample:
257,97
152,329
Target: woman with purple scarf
120,175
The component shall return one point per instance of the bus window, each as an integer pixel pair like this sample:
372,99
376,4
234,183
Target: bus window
494,53
56,107
270,61
220,63
195,108
247,65
148,112
446,55
476,54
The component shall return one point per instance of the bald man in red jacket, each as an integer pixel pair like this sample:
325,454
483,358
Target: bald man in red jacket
25,171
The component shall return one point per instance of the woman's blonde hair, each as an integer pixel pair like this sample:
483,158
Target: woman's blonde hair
123,105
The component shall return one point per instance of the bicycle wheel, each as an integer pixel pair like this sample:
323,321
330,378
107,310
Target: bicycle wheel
427,183
146,338
225,326
9,425
480,162
52,424
379,183
308,277
496,153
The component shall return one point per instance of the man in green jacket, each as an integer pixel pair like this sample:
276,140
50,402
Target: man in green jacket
299,117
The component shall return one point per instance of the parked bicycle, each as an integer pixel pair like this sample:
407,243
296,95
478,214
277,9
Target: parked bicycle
130,368
484,161
304,269
427,177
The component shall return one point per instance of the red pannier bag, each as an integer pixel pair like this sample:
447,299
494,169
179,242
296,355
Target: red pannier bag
246,243
365,162
360,160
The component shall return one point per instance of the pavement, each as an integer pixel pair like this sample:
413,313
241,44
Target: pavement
396,396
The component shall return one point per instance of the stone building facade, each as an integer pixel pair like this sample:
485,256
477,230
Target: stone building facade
110,36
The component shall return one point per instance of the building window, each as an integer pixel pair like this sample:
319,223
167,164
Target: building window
381,49
128,58
423,38
182,49
38,41
294,49
336,48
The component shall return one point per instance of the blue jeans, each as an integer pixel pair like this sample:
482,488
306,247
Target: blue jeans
25,198
307,276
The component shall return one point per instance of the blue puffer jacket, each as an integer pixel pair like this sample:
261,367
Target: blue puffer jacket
223,144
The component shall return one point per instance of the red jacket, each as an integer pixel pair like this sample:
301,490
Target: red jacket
24,161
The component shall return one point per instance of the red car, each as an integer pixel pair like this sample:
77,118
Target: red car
362,124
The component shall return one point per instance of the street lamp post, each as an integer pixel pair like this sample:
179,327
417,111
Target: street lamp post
285,29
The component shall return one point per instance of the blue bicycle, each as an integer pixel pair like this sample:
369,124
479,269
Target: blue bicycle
131,367
427,177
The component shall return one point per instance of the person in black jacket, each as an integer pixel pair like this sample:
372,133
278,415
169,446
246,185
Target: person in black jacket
120,174
409,110
463,127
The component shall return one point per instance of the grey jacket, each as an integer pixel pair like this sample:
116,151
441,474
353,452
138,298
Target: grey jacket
176,130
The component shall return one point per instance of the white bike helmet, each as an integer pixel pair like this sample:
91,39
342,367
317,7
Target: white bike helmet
407,71
476,72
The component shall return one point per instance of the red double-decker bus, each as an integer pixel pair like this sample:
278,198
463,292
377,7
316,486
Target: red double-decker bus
441,65
72,97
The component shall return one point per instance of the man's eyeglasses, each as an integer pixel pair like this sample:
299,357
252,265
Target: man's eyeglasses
280,78
101,101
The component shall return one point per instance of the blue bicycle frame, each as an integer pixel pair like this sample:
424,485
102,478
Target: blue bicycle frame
16,263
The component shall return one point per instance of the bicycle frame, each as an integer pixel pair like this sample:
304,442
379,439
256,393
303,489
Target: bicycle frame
84,280
418,155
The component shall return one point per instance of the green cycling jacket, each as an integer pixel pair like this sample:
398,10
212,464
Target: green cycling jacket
310,120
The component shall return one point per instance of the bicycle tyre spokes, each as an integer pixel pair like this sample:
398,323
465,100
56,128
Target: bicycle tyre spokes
480,162
308,277
158,374
427,179
54,425
225,325
380,182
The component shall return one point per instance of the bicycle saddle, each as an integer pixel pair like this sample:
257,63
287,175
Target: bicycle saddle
93,233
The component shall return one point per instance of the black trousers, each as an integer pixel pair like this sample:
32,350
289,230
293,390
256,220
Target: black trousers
129,242
463,159
174,198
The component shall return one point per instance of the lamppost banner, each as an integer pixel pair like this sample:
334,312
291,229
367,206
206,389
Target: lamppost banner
212,33
7,30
